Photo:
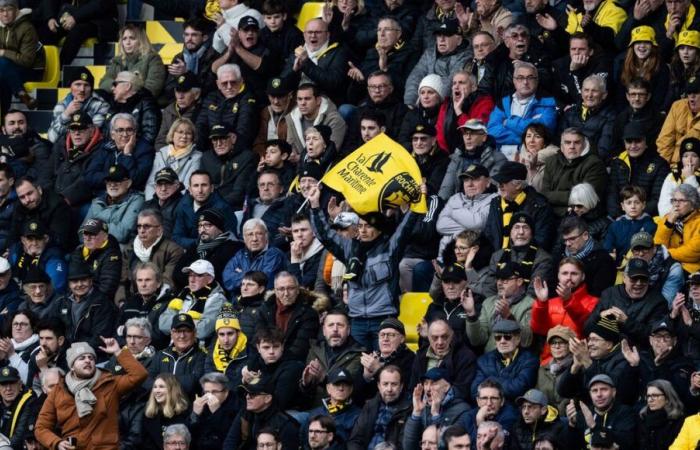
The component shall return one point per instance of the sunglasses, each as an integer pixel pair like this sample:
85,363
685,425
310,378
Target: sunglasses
502,337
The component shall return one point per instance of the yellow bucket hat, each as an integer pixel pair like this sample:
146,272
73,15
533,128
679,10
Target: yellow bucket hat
644,33
690,38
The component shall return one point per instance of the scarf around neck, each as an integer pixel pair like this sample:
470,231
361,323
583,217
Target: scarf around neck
82,391
144,253
585,251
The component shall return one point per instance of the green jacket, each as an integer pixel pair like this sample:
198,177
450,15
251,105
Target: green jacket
149,66
560,175
479,331
19,40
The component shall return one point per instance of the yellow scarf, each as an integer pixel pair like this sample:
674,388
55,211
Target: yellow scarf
86,251
178,153
506,362
508,214
222,358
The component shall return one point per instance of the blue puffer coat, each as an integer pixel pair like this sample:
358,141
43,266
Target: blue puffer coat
515,378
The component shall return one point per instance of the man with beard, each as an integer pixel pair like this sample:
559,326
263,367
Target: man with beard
213,244
92,396
322,434
51,352
536,419
80,98
8,201
22,148
188,93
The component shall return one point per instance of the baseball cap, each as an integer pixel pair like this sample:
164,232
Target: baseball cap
339,375
510,171
4,265
276,87
663,325
474,124
641,239
167,175
200,267
220,130
186,82
633,130
508,269
436,374
506,326
117,172
182,320
637,267
474,171
247,22
80,121
448,28
256,386
454,272
9,374
93,226
424,128
345,220
561,332
601,378
694,278
533,396
34,228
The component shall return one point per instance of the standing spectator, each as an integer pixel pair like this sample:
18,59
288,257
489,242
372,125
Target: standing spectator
273,117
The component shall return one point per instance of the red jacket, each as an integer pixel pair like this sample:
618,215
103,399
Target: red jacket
572,314
480,108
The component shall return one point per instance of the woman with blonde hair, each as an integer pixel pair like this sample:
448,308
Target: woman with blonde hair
644,60
135,54
167,405
180,154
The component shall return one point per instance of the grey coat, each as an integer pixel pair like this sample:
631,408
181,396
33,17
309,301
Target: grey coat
490,158
119,217
432,62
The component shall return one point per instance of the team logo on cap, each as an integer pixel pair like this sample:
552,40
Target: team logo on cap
181,79
471,167
83,76
276,83
420,128
5,372
226,321
33,226
182,317
112,169
76,117
201,218
688,145
522,219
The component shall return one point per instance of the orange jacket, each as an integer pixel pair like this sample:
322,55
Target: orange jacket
572,314
99,430
686,248
679,124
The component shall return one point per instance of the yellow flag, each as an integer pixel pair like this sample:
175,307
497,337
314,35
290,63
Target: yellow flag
378,176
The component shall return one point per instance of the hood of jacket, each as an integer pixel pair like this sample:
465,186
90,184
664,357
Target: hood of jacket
23,15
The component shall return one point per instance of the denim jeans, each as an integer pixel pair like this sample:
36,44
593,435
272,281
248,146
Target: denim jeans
12,77
365,331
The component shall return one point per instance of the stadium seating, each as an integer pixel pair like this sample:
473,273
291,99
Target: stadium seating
52,70
413,308
310,10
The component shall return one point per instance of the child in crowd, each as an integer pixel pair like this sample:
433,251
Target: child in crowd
617,238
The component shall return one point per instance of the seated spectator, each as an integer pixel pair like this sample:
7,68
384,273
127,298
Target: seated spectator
431,161
322,432
71,158
306,65
177,435
184,358
76,419
434,403
618,428
194,62
535,149
150,299
261,413
497,79
583,59
200,196
93,309
280,32
246,305
118,206
383,418
319,148
305,252
228,351
510,302
17,137
51,353
35,251
662,402
585,204
45,207
257,255
100,251
680,123
201,299
477,148
431,94
448,304
532,260
313,109
513,367
19,55
491,406
638,165
513,114
213,412
683,66
515,196
677,230
619,233
549,373
167,405
181,155
23,341
685,171
150,246
572,166
392,349
39,293
469,209
186,105
452,438
483,44
273,117
122,147
166,197
337,408
536,419
447,351
129,96
245,49
19,403
218,107
213,244
81,97
448,55
632,304
137,332
8,202
272,207
640,111
135,54
337,350
570,308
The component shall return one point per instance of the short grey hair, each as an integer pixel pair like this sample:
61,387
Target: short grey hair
233,68
214,377
285,274
151,212
584,194
51,370
598,80
470,76
690,193
177,429
525,65
574,130
385,446
251,224
123,116
139,322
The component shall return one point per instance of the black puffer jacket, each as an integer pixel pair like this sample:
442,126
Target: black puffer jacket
460,364
415,116
131,410
218,257
73,181
301,327
648,171
167,210
145,110
549,424
106,266
151,308
233,174
248,310
365,426
284,375
329,74
239,112
209,429
656,431
648,118
394,112
598,128
188,367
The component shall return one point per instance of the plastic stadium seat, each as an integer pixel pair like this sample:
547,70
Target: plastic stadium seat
309,10
413,308
164,32
98,72
168,51
52,71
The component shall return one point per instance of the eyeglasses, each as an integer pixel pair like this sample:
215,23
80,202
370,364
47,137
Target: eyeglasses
522,78
377,87
675,201
502,337
572,238
654,396
124,130
387,335
639,280
20,324
145,226
557,342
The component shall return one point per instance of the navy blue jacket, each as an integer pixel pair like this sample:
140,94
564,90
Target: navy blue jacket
515,378
185,229
507,417
7,209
